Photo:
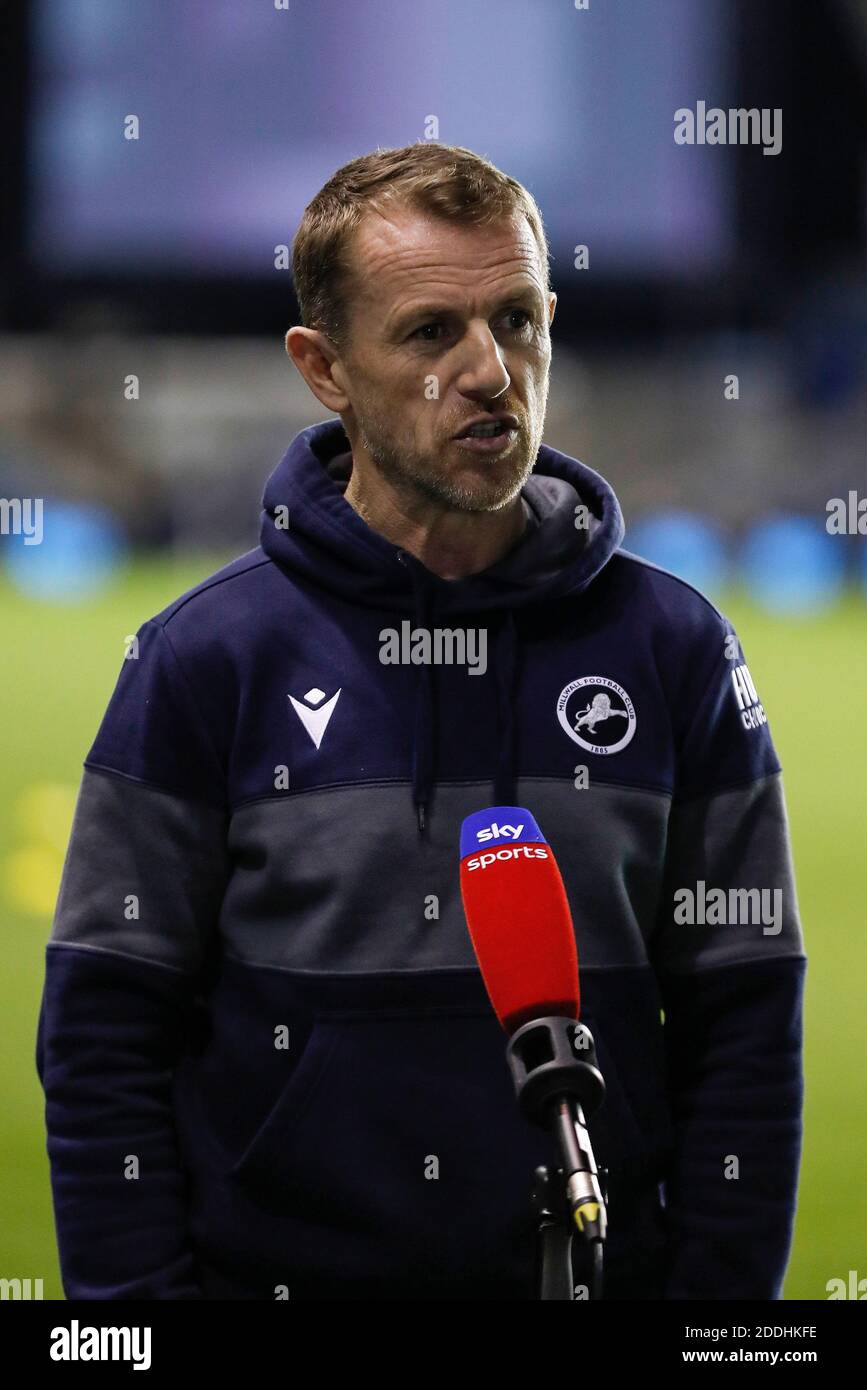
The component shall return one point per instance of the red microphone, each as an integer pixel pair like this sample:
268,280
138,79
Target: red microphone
518,917
521,928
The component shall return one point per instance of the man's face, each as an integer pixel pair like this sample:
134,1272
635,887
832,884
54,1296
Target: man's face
447,323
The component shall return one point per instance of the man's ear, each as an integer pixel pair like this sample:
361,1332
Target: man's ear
552,304
317,360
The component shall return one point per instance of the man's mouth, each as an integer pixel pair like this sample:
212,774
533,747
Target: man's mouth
489,427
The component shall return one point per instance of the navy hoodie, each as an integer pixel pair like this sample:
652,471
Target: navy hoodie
270,1065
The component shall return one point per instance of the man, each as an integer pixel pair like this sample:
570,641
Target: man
270,1065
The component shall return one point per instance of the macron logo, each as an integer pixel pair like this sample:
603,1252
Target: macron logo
313,714
499,832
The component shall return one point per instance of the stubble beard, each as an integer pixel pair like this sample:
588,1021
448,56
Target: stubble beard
415,474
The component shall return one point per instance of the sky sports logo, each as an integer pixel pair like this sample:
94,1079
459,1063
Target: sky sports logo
499,832
499,828
484,861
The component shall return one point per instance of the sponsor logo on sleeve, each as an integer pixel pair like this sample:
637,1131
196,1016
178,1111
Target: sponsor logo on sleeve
750,707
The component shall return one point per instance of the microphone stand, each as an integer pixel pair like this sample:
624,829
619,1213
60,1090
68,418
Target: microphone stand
559,1091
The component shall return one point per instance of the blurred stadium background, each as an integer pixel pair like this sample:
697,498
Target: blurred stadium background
159,258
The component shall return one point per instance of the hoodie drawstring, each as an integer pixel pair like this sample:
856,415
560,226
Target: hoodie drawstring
424,733
505,668
505,661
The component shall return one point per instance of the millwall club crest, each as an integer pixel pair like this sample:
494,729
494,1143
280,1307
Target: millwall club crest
597,713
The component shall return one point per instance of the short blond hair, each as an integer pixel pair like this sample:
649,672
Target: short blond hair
447,181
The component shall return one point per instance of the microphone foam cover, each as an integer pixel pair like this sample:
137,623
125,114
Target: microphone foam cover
518,917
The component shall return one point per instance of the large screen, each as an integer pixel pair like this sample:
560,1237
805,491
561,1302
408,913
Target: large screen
245,108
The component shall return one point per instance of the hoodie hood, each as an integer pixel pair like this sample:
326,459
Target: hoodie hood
310,530
320,536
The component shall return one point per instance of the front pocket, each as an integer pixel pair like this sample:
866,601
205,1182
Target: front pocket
403,1128
275,1137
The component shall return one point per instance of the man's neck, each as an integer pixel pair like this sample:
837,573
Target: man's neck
451,544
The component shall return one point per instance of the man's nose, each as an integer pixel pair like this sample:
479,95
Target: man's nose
482,371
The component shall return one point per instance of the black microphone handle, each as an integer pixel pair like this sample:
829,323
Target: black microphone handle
553,1065
583,1192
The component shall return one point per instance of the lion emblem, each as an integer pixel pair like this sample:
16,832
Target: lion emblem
596,711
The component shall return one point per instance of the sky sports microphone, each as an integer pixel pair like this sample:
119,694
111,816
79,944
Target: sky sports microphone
521,928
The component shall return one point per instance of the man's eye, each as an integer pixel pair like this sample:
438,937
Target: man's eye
516,321
428,332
